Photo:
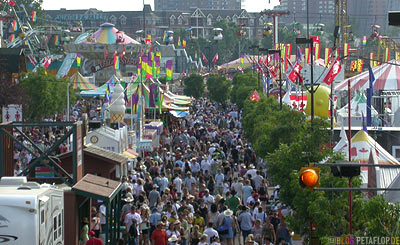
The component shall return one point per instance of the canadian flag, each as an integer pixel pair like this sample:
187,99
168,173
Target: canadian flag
298,102
335,69
296,73
216,57
46,61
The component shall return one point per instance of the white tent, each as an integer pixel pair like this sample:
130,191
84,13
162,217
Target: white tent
358,108
361,146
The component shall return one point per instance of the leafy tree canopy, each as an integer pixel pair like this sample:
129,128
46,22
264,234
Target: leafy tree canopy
194,85
219,87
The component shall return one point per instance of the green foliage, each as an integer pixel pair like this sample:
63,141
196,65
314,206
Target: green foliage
194,85
243,85
163,80
29,6
219,87
46,95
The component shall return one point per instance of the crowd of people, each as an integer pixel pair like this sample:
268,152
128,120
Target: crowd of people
205,185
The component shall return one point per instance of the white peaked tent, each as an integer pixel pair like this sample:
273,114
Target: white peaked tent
358,106
361,146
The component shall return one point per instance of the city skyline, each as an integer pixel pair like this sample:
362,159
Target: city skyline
118,5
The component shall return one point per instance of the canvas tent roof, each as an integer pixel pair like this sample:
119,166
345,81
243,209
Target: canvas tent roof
387,77
358,106
361,146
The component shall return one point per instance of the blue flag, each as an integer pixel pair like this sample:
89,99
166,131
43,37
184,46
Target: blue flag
371,80
363,123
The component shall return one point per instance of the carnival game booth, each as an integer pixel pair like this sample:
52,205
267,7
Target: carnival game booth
386,90
365,150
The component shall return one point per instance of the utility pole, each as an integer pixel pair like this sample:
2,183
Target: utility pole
144,23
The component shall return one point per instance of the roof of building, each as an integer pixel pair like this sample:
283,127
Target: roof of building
113,156
96,186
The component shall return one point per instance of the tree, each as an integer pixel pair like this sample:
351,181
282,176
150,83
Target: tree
219,87
243,85
46,95
194,85
28,5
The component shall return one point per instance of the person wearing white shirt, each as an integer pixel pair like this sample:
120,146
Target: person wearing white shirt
219,182
178,185
237,187
208,199
205,165
102,213
210,232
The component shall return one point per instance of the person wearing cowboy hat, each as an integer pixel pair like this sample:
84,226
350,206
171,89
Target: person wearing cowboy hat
173,240
84,235
228,222
159,235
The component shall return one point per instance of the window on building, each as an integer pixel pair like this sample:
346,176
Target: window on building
261,21
209,21
123,20
252,22
172,20
234,19
180,21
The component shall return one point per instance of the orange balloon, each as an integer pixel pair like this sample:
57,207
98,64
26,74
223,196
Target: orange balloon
309,177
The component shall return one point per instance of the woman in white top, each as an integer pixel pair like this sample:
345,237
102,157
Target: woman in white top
213,215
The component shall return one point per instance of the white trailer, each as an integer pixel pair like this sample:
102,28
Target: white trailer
30,214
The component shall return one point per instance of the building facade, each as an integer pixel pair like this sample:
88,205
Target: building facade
184,5
157,22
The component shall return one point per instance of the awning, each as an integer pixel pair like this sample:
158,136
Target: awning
179,114
130,154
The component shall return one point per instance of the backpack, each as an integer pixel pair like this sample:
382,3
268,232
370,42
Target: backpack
133,230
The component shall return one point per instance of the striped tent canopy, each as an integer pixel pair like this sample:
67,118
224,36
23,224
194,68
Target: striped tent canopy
387,77
81,83
108,34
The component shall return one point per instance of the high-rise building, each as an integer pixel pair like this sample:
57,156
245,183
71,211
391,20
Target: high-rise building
319,11
185,5
393,5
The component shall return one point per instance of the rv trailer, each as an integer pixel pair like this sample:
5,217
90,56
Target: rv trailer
30,213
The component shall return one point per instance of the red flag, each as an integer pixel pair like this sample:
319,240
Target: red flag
295,72
255,96
12,3
46,61
216,57
335,69
204,58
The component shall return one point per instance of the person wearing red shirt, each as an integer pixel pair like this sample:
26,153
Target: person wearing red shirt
93,240
159,235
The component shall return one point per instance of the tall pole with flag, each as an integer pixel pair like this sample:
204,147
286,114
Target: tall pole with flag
370,93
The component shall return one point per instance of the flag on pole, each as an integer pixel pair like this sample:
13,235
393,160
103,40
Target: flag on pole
168,68
360,64
56,40
12,3
203,57
371,79
299,55
179,41
34,16
12,38
183,43
327,55
307,55
317,51
387,54
116,62
397,55
46,61
164,37
364,40
335,69
346,51
371,59
14,25
295,73
78,60
215,59
241,60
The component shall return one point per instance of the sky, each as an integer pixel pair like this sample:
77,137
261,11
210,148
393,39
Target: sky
115,5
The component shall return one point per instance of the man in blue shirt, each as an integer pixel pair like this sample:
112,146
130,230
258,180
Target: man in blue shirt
153,219
245,220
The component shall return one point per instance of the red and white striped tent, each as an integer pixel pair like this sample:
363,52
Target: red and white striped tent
387,77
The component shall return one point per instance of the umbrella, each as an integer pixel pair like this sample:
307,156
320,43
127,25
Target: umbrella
81,83
108,34
386,78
